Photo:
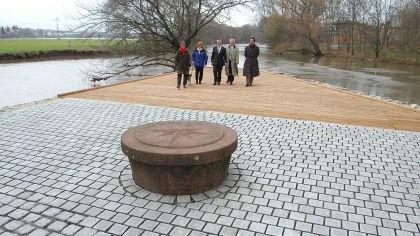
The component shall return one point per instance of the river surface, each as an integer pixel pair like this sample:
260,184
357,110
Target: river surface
31,81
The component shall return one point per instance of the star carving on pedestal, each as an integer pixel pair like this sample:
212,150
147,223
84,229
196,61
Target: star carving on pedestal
176,133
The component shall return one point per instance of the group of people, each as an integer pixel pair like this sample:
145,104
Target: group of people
220,57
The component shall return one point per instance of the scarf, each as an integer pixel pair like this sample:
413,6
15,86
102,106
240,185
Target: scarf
182,50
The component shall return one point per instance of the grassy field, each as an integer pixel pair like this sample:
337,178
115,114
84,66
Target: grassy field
28,45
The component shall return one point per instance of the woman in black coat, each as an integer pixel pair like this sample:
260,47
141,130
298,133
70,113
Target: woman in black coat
251,68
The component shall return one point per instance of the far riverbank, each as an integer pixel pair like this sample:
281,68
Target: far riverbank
24,49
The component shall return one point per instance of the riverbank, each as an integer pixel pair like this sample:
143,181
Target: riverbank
273,95
363,57
16,49
54,54
344,54
25,105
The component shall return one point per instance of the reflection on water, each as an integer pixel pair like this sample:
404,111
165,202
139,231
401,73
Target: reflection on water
32,81
393,81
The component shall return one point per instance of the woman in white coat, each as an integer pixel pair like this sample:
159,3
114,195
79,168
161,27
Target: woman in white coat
232,61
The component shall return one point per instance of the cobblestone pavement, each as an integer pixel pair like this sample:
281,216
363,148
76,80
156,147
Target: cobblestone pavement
62,173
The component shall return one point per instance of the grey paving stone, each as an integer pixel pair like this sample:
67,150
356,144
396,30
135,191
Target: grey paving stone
57,226
42,222
89,222
103,225
302,226
163,228
320,230
106,215
404,233
179,231
181,221
245,233
210,217
71,230
258,227
225,220
148,225
228,231
335,231
291,232
296,177
31,217
133,232
242,224
386,231
212,228
274,230
25,229
117,229
39,232
196,225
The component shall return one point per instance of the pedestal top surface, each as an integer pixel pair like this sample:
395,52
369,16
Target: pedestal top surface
179,142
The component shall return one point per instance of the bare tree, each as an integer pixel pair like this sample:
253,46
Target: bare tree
152,29
410,27
331,16
381,25
305,19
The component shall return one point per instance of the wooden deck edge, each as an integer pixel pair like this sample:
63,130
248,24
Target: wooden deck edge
337,89
62,95
342,90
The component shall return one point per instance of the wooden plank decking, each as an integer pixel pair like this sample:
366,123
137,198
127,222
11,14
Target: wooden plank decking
272,95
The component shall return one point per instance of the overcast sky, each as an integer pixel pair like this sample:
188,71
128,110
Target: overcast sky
42,13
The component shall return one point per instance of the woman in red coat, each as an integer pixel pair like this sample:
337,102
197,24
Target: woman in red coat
182,64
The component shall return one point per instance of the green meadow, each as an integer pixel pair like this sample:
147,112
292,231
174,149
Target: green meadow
30,45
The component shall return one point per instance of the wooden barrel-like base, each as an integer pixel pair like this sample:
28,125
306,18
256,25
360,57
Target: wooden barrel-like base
179,157
180,180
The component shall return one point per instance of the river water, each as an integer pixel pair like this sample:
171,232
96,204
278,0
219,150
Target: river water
31,81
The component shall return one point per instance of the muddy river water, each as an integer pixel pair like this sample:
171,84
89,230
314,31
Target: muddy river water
31,81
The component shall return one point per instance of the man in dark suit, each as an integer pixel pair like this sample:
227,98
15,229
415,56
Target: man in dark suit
218,60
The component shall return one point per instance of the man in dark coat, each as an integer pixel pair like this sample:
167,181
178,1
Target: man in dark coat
218,60
251,68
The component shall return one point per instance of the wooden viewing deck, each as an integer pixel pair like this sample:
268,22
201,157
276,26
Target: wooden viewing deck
272,95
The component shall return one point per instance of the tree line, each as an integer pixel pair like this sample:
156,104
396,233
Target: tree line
381,28
25,32
241,34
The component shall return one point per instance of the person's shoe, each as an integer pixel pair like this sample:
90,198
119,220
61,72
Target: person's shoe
196,82
230,83
199,82
185,86
227,81
250,84
246,85
218,83
178,86
214,83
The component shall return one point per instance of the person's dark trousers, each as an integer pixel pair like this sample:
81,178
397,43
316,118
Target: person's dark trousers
184,82
217,73
230,76
198,74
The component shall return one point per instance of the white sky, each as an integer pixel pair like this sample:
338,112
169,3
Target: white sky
42,13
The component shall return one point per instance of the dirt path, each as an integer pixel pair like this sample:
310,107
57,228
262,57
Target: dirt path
272,95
